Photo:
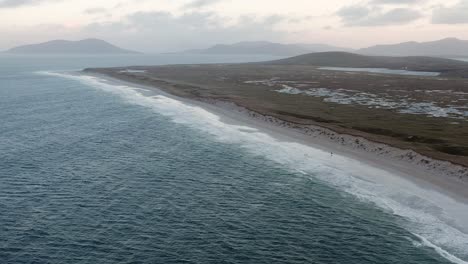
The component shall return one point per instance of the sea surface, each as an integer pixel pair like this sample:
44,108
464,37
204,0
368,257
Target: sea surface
98,172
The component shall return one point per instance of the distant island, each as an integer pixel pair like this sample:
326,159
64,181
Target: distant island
266,48
448,47
86,46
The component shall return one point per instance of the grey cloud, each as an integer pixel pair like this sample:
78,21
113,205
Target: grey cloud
155,31
353,13
457,14
96,10
17,3
275,19
200,3
369,17
393,17
160,21
397,2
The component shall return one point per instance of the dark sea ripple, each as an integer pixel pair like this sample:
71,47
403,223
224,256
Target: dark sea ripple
87,178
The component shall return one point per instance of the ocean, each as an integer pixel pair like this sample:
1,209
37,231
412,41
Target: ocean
98,172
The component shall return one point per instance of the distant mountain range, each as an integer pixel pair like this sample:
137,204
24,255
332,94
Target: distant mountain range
86,46
449,47
266,48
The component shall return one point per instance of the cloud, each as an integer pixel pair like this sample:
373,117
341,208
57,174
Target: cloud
349,14
457,14
17,3
155,31
396,2
195,4
95,10
374,16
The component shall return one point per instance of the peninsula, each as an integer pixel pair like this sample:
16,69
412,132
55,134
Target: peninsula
406,110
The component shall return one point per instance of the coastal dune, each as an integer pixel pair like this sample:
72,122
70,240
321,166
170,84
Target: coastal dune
441,173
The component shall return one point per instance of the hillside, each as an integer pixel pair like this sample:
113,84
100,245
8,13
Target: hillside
344,59
86,46
449,47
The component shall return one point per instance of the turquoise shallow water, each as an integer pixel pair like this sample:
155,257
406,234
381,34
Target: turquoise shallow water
89,174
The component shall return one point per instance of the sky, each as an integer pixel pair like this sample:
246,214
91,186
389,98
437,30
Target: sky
174,25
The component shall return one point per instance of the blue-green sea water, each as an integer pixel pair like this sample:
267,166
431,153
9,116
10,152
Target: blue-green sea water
97,172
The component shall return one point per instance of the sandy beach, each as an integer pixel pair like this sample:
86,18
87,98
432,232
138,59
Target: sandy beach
441,176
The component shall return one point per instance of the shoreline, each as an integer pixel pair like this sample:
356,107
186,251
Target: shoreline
442,176
423,174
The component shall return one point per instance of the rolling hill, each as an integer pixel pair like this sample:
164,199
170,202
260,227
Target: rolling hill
449,47
345,59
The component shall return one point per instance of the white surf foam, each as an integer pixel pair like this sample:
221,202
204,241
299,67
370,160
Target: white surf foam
441,251
439,221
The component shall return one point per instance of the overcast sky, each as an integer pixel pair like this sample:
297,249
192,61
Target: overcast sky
172,25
